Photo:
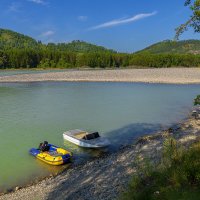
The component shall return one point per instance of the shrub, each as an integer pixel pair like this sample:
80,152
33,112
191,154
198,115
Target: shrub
176,177
197,100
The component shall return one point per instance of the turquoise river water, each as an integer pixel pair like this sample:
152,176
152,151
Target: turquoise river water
12,72
34,112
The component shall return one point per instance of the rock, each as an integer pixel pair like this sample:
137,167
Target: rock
157,192
171,130
9,190
17,188
141,141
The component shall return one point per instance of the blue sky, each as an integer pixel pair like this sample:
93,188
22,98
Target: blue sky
123,25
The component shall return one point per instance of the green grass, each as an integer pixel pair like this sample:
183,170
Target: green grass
176,177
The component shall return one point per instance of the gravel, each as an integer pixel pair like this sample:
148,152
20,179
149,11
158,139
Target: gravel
161,75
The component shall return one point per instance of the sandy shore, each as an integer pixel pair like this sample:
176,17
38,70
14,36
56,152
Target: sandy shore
107,177
164,75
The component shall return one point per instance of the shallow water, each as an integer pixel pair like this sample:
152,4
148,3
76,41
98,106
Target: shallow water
34,112
24,71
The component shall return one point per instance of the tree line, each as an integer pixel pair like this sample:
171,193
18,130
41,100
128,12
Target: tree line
29,58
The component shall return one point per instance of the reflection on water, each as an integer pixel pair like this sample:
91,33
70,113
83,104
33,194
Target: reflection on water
31,113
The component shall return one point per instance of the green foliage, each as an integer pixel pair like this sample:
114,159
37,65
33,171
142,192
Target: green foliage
19,51
10,39
171,152
193,21
78,46
178,47
178,178
197,100
165,60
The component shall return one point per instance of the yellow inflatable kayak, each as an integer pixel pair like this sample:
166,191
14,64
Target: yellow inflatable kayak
53,155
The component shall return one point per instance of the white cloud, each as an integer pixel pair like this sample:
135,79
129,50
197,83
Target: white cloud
14,7
82,18
117,22
38,1
47,33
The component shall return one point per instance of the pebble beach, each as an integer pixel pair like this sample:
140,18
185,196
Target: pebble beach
164,75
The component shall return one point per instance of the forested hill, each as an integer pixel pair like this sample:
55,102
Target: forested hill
10,39
20,51
77,46
169,46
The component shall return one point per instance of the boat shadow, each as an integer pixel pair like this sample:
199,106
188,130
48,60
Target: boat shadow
128,134
118,138
86,182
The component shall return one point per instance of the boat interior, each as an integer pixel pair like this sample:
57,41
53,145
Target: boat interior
87,136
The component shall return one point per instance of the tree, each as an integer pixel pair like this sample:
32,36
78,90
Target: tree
193,21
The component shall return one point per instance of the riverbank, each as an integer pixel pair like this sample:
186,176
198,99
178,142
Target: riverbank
108,176
161,75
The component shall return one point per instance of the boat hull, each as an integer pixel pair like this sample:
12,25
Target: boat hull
82,143
56,163
51,157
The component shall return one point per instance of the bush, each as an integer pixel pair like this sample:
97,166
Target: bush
197,100
176,177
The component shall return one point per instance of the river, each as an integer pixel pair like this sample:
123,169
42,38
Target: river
33,112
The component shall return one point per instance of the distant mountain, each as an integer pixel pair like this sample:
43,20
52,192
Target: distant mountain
169,46
10,39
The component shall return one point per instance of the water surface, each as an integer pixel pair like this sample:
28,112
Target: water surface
13,72
34,112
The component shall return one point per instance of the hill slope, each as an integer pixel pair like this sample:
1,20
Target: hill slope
78,46
20,51
169,46
10,39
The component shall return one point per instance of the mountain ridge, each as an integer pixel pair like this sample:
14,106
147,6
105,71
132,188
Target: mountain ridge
169,46
11,39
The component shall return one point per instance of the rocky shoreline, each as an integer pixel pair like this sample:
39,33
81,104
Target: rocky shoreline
153,75
108,176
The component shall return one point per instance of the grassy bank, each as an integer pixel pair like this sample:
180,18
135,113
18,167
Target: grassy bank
176,177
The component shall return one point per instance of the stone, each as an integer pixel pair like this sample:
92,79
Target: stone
17,188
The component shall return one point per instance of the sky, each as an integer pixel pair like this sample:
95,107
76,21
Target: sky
122,25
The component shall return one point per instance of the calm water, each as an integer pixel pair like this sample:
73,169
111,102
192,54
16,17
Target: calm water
34,112
24,71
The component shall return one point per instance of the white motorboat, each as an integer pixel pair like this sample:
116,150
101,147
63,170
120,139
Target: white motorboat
85,139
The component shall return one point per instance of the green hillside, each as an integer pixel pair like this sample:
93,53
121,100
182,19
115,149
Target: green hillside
169,46
77,46
20,51
10,39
